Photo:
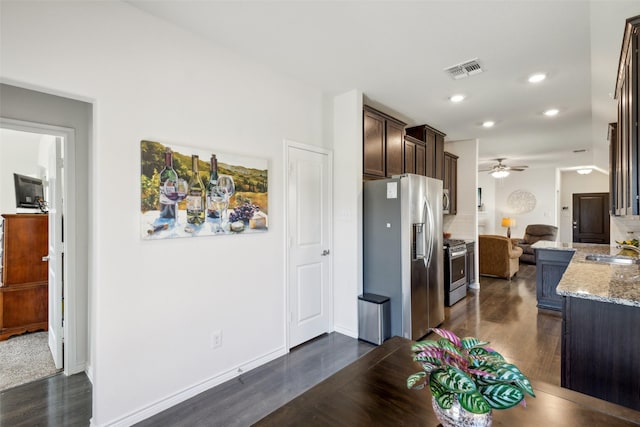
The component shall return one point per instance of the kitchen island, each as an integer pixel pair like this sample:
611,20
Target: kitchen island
600,319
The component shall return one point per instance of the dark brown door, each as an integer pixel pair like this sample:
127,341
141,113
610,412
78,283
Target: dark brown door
591,218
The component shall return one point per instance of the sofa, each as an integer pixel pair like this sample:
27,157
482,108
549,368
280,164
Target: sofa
498,256
532,234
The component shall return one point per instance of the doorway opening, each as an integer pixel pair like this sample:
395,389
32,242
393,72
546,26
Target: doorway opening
34,348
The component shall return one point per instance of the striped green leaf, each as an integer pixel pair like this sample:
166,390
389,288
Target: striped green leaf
443,396
502,396
510,372
474,402
416,381
454,380
471,342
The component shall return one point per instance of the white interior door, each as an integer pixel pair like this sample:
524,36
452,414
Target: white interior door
309,243
55,179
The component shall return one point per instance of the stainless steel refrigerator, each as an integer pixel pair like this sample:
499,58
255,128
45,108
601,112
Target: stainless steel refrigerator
403,252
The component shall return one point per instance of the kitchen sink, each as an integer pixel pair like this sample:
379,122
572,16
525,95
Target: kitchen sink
612,259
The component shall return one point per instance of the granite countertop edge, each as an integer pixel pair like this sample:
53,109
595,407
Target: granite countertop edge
616,284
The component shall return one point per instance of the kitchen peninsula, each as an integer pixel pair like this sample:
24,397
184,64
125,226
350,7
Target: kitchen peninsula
600,319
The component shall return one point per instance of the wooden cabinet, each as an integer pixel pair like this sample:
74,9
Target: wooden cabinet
24,287
600,347
414,156
615,185
450,181
383,144
550,266
409,155
625,182
434,149
438,156
471,263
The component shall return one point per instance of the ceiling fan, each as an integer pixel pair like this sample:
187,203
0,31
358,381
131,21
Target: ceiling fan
501,170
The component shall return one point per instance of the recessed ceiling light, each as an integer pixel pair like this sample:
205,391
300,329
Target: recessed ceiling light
552,112
584,171
457,98
537,78
488,124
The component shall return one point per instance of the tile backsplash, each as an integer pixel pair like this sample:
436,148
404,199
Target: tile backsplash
623,228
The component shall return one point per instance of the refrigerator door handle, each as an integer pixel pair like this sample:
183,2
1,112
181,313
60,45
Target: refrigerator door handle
429,242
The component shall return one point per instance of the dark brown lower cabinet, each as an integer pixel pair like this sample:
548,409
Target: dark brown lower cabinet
600,348
550,266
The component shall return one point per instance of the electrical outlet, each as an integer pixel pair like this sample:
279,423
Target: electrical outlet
216,339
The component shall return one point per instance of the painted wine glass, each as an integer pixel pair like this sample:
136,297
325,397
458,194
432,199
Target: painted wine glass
182,188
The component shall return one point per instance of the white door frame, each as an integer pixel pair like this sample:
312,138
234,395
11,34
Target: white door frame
71,364
288,144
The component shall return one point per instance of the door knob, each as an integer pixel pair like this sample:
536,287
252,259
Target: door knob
325,252
45,258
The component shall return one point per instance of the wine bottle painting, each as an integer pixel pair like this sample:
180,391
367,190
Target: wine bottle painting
187,192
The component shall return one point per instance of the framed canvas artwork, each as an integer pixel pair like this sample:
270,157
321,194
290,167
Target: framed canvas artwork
189,192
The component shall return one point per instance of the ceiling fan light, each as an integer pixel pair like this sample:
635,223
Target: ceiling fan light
500,174
584,171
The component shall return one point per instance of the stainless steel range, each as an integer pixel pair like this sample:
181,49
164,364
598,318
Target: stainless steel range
455,271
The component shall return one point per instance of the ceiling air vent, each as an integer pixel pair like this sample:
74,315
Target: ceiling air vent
464,69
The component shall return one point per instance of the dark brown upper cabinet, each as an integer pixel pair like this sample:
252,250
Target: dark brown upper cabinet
625,180
383,144
434,149
414,156
450,181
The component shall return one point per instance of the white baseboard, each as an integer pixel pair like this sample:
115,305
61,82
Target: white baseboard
346,331
189,392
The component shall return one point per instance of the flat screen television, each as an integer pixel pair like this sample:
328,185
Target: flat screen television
28,191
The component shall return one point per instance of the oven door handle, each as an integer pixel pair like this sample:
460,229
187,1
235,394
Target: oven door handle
458,253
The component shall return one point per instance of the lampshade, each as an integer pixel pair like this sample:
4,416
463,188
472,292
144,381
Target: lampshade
508,222
500,174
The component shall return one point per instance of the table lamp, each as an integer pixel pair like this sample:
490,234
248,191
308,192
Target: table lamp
508,222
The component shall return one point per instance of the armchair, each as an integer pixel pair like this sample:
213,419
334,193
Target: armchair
498,256
532,234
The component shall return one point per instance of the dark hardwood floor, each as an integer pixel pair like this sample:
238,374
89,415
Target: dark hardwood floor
503,312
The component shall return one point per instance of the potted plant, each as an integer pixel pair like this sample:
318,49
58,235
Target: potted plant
467,379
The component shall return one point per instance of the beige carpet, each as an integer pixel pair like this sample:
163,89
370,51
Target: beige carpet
25,358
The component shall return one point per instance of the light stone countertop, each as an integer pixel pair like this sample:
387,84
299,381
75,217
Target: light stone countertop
617,284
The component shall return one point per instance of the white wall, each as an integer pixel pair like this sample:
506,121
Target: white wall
572,183
20,152
463,225
486,213
539,182
155,304
347,185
